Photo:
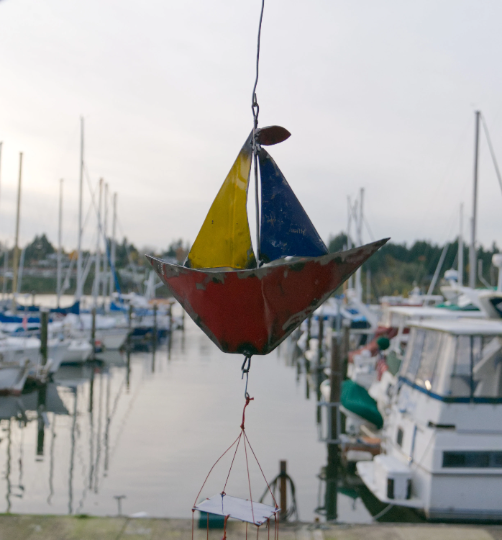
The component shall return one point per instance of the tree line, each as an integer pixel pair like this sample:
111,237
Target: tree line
397,268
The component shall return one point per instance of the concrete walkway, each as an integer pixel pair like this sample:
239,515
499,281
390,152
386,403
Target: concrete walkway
23,527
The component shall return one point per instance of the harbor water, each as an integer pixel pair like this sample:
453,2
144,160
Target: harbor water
143,430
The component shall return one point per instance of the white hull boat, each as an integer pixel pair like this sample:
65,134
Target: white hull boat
443,437
112,339
13,377
78,352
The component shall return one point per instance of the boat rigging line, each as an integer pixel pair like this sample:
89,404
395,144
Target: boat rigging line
492,152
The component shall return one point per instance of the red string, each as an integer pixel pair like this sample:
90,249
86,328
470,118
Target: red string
262,473
268,528
207,514
246,530
208,474
193,513
225,528
231,464
248,399
247,468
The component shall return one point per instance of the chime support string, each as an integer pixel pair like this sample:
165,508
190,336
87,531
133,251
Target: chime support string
255,108
216,462
261,470
231,464
247,464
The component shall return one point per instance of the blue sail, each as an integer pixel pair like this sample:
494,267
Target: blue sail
286,230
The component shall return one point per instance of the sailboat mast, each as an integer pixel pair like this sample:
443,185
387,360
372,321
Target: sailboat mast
105,254
114,243
1,146
97,272
16,240
349,239
5,247
460,279
60,225
79,288
5,268
472,251
359,287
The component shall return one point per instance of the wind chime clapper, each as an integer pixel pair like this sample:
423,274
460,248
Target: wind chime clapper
227,506
232,507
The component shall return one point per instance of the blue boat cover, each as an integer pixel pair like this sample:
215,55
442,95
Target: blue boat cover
74,308
286,230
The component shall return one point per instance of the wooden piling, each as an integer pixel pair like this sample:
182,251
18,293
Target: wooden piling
93,334
321,339
154,334
129,326
345,349
336,379
41,401
44,327
332,468
309,329
283,488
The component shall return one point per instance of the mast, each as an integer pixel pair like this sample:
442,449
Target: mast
79,289
472,250
16,240
349,240
359,287
6,252
60,225
105,255
1,146
5,268
114,244
460,279
97,272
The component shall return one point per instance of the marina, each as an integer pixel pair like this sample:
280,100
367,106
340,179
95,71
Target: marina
251,372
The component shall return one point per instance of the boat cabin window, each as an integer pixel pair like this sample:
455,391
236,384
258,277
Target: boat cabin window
476,459
425,348
452,366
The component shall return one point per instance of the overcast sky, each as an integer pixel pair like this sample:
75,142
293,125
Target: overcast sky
377,94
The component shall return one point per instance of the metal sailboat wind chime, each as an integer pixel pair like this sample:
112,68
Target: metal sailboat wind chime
246,303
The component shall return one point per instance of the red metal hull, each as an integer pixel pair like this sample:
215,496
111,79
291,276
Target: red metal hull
251,311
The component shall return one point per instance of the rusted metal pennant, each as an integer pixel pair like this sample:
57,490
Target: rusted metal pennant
251,311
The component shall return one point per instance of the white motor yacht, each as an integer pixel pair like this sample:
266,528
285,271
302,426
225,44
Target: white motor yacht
443,437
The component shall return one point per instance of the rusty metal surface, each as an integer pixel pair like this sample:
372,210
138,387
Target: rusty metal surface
268,136
252,311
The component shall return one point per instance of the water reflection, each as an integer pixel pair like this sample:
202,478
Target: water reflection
147,426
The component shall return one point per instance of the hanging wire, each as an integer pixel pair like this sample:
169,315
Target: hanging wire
246,366
254,101
255,108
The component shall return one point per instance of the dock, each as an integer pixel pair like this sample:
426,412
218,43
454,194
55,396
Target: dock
42,527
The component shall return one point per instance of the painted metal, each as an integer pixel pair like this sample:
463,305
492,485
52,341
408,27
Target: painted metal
224,239
252,311
286,229
241,509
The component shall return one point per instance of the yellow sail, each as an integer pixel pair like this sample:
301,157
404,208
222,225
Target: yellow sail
224,239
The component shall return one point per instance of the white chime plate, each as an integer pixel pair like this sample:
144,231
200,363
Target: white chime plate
225,505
